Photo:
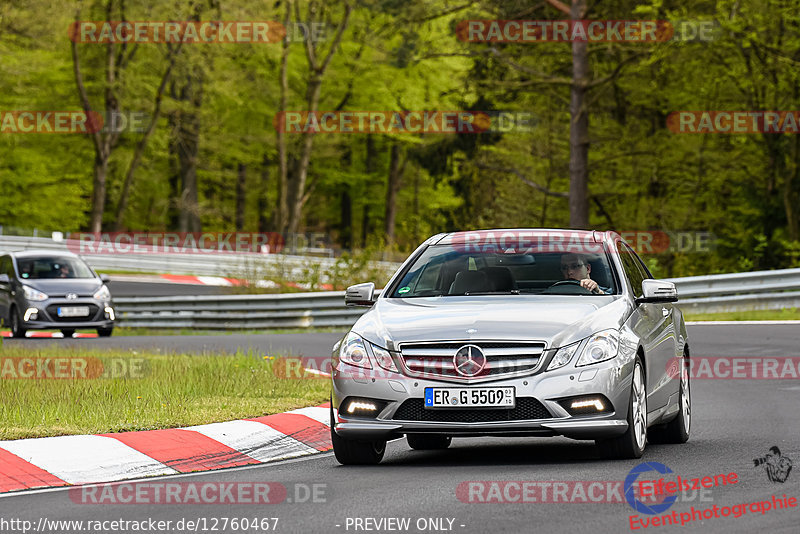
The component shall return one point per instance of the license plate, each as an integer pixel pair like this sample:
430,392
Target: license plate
470,397
73,311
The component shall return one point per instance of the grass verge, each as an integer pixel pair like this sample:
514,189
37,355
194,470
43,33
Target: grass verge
788,314
130,390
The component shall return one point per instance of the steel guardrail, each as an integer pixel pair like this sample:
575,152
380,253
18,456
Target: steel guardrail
759,290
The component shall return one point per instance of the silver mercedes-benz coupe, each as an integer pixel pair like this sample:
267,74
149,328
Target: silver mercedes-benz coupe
523,332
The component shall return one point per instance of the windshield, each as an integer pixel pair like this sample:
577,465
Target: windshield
52,267
444,270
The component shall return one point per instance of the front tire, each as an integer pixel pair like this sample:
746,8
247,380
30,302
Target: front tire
677,430
105,332
428,442
632,443
16,324
355,452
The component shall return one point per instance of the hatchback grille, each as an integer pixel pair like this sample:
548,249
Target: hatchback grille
435,360
527,408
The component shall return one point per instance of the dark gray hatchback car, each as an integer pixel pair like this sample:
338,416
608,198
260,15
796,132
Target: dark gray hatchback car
44,289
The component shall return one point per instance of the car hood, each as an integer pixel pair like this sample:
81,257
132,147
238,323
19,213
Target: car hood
83,287
556,320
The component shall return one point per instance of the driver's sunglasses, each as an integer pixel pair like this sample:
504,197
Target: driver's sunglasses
572,266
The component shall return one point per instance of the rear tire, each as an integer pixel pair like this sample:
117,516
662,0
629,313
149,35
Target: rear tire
677,430
356,452
632,443
428,442
105,332
68,332
16,324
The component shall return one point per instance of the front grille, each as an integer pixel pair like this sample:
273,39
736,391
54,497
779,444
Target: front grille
52,311
435,360
527,408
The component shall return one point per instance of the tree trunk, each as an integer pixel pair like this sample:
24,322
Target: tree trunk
579,128
263,220
241,196
396,168
98,192
281,218
317,68
346,217
187,145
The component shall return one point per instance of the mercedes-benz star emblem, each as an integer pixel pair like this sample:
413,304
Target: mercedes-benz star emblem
469,360
71,296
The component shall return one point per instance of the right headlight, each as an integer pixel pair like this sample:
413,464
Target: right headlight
353,351
600,347
34,294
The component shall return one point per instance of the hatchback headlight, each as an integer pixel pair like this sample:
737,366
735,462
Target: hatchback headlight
600,347
354,352
34,294
102,294
563,356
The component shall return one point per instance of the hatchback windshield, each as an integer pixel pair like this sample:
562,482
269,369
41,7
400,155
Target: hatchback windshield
52,267
444,270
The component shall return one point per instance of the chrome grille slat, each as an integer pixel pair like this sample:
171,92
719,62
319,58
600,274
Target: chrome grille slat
435,360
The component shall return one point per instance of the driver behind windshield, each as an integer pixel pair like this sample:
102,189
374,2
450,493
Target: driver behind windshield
576,267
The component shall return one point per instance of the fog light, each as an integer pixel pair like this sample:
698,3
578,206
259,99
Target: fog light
31,313
361,406
110,312
597,403
587,405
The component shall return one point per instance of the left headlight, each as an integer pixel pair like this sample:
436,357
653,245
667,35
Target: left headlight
33,294
600,347
102,294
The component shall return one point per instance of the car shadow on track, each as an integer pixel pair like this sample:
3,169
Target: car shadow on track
464,453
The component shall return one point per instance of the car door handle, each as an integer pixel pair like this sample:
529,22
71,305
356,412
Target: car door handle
664,312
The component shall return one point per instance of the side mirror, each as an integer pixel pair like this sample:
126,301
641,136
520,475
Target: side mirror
360,295
4,279
654,291
105,278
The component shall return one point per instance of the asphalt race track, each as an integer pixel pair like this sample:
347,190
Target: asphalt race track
734,422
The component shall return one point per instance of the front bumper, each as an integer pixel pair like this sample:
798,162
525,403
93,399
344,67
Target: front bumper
46,316
611,379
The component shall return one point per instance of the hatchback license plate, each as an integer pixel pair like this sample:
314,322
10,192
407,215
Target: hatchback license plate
470,397
73,311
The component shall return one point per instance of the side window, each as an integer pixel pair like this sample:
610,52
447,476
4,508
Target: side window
5,266
632,268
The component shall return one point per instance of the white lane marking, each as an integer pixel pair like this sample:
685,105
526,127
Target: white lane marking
214,281
86,459
323,415
729,323
24,493
255,439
